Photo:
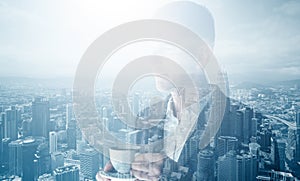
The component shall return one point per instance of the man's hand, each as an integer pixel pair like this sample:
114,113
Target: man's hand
108,167
147,166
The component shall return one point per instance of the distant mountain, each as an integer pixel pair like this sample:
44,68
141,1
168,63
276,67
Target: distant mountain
288,83
249,85
59,82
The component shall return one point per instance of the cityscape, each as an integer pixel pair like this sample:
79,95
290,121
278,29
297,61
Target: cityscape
258,138
163,90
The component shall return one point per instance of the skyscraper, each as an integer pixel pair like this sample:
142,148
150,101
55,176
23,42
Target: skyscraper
225,144
297,158
1,137
248,115
11,123
40,117
57,160
28,156
238,126
89,163
66,173
206,165
43,159
254,122
15,157
69,114
227,167
246,167
71,133
5,153
53,142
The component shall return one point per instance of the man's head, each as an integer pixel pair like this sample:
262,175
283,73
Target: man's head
199,20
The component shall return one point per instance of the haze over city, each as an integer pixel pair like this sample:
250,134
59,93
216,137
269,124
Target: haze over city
255,41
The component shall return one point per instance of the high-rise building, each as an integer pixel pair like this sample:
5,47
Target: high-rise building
297,157
206,165
11,123
135,104
69,114
40,117
193,147
227,167
225,144
238,126
291,144
43,157
246,167
1,137
248,115
264,139
5,153
298,119
89,163
57,160
71,134
66,173
53,142
28,156
15,157
254,123
278,153
281,143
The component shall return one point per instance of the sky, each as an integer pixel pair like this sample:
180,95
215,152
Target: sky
256,41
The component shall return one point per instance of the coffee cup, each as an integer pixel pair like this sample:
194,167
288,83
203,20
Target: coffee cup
121,159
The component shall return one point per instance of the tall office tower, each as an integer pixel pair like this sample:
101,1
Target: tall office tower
281,143
264,139
193,147
43,158
71,134
5,153
291,144
136,104
26,128
206,165
66,173
238,126
11,123
15,157
297,158
254,122
248,115
1,137
52,142
246,167
234,107
225,144
227,125
57,160
278,153
89,163
227,167
40,117
28,156
69,114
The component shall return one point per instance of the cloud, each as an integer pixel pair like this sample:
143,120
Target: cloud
291,8
263,46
